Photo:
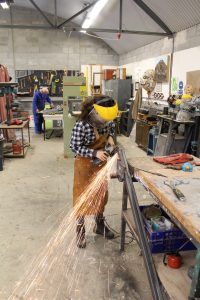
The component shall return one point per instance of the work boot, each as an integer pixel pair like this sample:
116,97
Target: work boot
80,234
101,228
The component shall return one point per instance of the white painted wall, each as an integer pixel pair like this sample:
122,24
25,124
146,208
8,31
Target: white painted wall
185,61
186,55
137,69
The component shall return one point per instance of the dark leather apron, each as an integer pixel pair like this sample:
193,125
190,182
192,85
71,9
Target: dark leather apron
84,171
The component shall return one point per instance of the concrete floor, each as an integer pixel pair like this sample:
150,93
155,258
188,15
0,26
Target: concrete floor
35,195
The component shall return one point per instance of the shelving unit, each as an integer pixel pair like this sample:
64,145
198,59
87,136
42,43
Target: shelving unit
25,146
127,122
96,75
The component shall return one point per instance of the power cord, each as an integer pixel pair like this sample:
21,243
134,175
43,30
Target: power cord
131,238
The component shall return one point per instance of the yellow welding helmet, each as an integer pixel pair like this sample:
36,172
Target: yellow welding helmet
106,108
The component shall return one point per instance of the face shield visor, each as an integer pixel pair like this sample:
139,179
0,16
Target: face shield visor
104,111
95,120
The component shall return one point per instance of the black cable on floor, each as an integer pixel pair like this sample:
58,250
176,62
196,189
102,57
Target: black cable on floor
132,238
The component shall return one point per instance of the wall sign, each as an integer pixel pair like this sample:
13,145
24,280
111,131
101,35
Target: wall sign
180,88
174,86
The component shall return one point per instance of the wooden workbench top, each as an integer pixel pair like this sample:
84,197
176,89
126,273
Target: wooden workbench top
187,213
167,117
5,126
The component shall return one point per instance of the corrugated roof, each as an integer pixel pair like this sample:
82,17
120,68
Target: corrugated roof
133,19
127,42
176,14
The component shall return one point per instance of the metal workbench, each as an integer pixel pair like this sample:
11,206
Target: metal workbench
184,215
21,127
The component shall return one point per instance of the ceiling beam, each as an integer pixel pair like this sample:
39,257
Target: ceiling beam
13,26
9,26
116,31
41,12
153,16
77,14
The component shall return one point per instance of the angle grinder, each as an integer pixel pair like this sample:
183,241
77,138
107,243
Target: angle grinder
110,151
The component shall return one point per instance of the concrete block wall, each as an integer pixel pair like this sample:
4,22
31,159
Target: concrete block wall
185,39
22,49
54,49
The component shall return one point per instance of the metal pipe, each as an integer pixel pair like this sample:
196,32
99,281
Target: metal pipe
77,14
120,15
171,66
116,31
55,15
153,16
123,222
13,26
149,264
41,12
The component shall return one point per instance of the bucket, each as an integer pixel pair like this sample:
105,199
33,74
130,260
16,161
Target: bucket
17,147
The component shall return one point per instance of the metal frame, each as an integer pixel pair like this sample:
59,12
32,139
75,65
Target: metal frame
123,174
195,285
120,15
153,16
23,154
117,31
129,192
41,12
77,14
140,3
13,26
55,15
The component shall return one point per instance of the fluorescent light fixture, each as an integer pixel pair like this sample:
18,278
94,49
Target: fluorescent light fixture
91,16
5,5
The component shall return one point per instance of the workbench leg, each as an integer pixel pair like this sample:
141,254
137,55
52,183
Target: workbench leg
195,287
123,222
170,139
23,142
29,138
44,130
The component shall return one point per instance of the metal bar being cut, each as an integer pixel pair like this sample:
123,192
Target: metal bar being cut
148,260
153,16
116,31
41,12
77,14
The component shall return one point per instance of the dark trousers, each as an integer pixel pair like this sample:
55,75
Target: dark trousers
38,120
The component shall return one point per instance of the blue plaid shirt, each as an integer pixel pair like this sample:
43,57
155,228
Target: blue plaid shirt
83,135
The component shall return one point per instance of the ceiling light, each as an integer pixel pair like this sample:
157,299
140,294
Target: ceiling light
91,16
4,5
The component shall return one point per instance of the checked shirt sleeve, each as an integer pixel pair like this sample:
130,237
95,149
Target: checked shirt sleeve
77,143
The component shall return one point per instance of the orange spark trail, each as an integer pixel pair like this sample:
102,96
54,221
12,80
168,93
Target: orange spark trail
57,263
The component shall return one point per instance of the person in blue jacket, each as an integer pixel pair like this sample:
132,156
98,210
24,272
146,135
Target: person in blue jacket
39,100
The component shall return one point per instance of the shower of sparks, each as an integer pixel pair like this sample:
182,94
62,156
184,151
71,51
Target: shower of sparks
57,264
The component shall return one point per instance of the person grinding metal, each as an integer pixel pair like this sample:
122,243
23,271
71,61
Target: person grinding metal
39,100
91,133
